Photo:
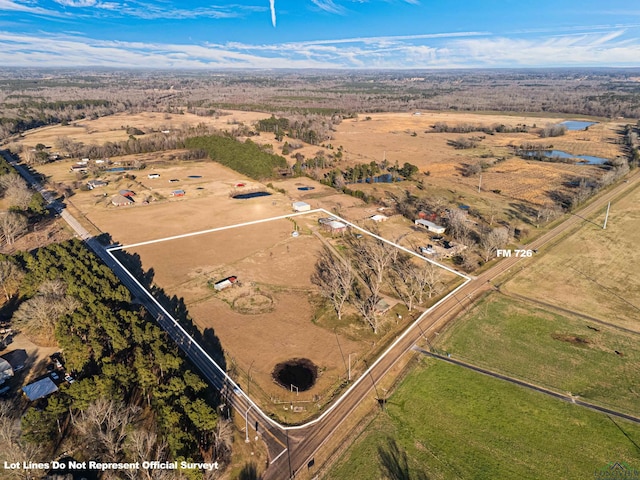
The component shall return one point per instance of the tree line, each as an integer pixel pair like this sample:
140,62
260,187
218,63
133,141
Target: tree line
245,157
25,205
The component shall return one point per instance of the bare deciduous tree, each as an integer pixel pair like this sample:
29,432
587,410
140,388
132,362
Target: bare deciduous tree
142,445
365,302
12,226
105,425
334,277
18,196
39,314
492,240
457,223
12,448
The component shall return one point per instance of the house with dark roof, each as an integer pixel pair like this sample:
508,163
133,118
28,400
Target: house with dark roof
40,388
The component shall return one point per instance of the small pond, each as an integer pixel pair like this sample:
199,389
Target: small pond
577,124
244,196
559,154
296,374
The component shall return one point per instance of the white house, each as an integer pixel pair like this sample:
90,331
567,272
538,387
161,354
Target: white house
378,218
432,227
301,207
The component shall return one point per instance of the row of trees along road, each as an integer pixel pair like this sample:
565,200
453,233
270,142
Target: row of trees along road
24,204
134,395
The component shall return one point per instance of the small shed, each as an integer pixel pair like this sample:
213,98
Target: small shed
301,207
153,175
226,283
40,388
382,306
178,193
96,184
121,200
378,218
432,227
335,226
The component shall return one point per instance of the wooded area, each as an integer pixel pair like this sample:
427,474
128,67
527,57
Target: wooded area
134,394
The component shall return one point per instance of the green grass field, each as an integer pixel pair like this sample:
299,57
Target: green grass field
593,271
447,422
559,352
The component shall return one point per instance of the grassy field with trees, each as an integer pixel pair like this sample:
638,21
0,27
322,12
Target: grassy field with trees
448,422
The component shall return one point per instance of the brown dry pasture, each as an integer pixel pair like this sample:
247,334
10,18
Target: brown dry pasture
391,136
273,314
112,128
593,272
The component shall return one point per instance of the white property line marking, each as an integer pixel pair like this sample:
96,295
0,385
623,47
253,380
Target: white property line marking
235,386
277,457
217,229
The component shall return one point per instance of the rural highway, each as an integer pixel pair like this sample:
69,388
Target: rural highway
292,449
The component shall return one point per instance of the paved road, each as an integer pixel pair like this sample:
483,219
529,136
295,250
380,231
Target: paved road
303,442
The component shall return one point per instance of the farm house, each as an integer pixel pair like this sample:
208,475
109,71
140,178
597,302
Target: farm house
121,201
432,227
178,193
127,193
226,283
378,218
301,207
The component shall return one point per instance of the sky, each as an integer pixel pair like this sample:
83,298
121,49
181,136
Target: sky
326,34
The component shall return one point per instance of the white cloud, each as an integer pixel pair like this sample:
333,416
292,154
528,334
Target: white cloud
328,6
76,3
612,48
21,7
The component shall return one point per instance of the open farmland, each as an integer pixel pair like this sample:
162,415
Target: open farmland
113,128
447,422
391,136
563,353
273,314
593,271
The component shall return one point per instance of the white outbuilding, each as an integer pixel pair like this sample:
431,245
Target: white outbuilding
432,227
301,207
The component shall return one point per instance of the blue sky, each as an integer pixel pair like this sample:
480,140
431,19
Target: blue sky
371,34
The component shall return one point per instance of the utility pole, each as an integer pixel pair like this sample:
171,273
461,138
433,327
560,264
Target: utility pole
350,366
606,217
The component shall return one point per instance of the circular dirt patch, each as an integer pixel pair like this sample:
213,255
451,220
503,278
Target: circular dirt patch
299,372
253,303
